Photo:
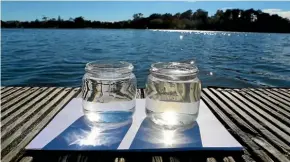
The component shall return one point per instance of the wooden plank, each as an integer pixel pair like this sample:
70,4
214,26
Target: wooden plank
35,107
260,128
278,94
120,159
247,156
26,159
211,159
228,159
12,96
285,90
265,101
8,93
174,159
3,91
138,94
242,136
80,94
22,99
258,116
35,125
6,131
241,122
144,92
282,92
15,114
250,134
157,159
275,96
276,153
272,99
20,103
255,104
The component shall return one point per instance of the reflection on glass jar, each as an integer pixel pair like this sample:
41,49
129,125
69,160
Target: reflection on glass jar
173,94
109,91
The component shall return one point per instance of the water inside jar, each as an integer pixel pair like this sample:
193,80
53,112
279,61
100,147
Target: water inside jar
173,94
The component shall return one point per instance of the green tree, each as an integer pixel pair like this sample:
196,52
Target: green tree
154,16
200,15
137,16
186,15
177,15
79,22
44,18
59,19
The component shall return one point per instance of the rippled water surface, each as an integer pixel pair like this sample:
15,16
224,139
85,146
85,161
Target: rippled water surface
57,57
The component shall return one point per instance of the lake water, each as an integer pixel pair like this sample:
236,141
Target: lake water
54,57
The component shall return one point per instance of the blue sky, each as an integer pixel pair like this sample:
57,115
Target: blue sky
114,11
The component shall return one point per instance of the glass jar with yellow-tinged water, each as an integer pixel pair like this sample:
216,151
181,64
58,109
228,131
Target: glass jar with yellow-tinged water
173,94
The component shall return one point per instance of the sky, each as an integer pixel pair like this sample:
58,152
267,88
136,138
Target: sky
116,11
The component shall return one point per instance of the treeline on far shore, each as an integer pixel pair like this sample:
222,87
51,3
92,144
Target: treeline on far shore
229,20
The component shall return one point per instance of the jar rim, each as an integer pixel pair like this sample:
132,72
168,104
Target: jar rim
174,68
110,66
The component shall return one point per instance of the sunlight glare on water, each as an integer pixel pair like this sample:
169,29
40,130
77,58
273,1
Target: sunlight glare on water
181,37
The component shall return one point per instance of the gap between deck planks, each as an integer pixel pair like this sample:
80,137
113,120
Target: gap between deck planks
258,118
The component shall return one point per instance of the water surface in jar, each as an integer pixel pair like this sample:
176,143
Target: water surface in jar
109,100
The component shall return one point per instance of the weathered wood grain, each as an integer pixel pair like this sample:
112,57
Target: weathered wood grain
210,159
33,127
138,95
10,115
20,100
269,98
258,118
12,96
26,159
229,159
285,90
157,159
273,151
280,94
274,96
256,105
6,89
240,133
260,115
231,113
275,107
27,116
10,92
174,159
261,128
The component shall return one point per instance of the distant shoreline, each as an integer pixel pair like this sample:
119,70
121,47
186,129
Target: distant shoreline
230,20
163,30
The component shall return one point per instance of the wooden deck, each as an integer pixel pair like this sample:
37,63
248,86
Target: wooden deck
258,118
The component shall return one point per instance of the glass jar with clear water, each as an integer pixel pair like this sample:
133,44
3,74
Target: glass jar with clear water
109,91
173,94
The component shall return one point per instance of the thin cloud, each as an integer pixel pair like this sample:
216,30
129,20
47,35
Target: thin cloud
282,13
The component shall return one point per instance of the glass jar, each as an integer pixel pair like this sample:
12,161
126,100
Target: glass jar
173,94
109,91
